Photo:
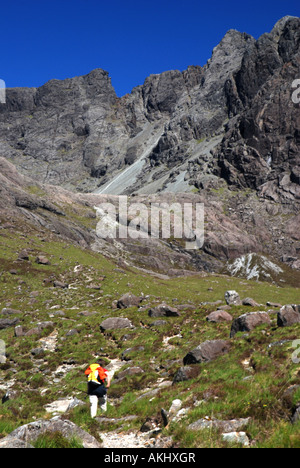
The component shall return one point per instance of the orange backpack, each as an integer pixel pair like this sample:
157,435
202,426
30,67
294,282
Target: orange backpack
91,373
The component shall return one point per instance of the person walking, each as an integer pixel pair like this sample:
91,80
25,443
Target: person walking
99,381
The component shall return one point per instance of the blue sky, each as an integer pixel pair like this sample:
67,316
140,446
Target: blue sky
42,40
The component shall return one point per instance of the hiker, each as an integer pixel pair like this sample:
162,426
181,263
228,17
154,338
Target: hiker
97,390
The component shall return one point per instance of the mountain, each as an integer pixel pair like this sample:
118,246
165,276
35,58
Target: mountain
225,134
78,134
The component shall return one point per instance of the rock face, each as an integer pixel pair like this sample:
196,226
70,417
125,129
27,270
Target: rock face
170,115
253,152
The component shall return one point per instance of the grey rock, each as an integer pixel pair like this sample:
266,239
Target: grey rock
207,351
30,432
164,310
219,316
231,425
296,414
236,438
42,260
14,443
232,298
186,373
6,323
126,355
115,323
249,302
288,315
186,106
249,321
128,300
9,311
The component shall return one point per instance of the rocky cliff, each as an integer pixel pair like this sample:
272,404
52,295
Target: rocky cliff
233,118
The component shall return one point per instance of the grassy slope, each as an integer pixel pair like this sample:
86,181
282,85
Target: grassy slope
220,389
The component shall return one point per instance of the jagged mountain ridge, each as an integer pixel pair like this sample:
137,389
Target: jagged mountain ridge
177,131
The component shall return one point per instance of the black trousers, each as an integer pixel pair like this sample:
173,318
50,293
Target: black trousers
98,390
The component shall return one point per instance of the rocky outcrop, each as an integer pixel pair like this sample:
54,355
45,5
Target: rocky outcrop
257,151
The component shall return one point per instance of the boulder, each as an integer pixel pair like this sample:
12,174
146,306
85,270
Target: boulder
128,372
249,321
126,355
42,260
19,331
60,284
164,310
219,316
30,432
37,352
128,300
158,323
72,332
231,425
250,302
236,438
2,358
9,396
232,298
6,323
296,414
114,323
14,443
186,373
288,315
63,405
207,351
23,255
9,311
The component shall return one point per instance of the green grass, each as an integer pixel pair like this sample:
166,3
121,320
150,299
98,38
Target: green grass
56,440
223,388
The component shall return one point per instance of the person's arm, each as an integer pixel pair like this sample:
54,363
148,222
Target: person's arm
108,380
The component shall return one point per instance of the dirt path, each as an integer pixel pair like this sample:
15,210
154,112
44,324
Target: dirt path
126,440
